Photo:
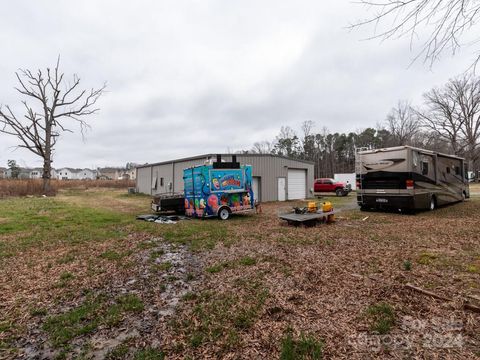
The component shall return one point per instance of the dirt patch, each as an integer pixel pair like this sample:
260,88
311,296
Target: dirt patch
159,288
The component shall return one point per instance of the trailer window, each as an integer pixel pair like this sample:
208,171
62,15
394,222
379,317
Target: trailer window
424,168
154,183
161,181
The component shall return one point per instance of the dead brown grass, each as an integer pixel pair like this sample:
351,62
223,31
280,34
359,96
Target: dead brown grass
262,279
25,187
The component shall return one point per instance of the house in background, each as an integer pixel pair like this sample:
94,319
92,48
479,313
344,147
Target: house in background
35,173
76,174
86,174
66,174
108,173
128,174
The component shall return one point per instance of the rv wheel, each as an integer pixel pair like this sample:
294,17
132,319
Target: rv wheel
433,203
224,214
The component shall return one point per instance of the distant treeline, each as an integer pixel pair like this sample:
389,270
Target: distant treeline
448,121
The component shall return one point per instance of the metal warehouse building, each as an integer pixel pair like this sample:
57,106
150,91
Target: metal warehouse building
274,177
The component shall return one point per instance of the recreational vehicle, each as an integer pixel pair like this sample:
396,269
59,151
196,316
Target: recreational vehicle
409,178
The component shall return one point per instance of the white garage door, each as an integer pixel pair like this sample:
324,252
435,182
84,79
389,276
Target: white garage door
297,184
256,188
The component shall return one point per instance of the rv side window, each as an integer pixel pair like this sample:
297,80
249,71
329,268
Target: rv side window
161,181
448,169
424,168
457,170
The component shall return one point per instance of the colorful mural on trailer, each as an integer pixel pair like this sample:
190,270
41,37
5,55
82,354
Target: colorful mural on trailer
208,189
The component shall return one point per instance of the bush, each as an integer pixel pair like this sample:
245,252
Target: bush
24,187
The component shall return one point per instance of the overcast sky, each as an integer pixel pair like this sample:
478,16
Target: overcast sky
192,77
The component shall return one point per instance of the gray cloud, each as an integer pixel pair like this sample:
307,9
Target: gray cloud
191,77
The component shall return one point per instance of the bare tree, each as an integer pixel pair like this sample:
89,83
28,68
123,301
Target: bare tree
57,101
440,116
446,23
453,113
467,93
262,147
403,124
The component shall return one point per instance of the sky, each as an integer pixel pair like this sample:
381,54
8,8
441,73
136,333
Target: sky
206,76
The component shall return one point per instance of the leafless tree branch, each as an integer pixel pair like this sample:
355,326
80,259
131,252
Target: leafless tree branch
60,101
446,22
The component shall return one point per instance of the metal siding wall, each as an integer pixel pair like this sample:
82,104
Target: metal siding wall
268,168
143,180
164,171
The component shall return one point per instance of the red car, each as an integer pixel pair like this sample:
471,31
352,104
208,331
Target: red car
331,185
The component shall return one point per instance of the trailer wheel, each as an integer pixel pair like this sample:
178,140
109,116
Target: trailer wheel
433,203
224,213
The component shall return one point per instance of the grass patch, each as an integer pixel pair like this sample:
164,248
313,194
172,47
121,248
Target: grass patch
407,265
42,221
65,278
165,266
156,254
149,354
38,312
214,269
426,258
189,296
247,261
111,255
381,317
305,347
189,276
119,352
472,268
198,234
220,317
66,259
86,318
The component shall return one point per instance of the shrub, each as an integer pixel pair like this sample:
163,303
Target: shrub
24,187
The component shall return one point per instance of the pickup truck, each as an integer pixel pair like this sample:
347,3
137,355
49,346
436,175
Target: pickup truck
331,185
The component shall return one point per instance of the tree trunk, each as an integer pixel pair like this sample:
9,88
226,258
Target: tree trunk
47,170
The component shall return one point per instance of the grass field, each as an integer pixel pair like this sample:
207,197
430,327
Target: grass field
81,278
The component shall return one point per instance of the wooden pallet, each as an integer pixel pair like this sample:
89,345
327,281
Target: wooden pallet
307,219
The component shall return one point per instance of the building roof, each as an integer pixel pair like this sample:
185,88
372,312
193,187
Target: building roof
74,170
431,152
204,156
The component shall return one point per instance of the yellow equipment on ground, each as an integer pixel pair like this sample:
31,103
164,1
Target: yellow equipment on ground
312,206
327,207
